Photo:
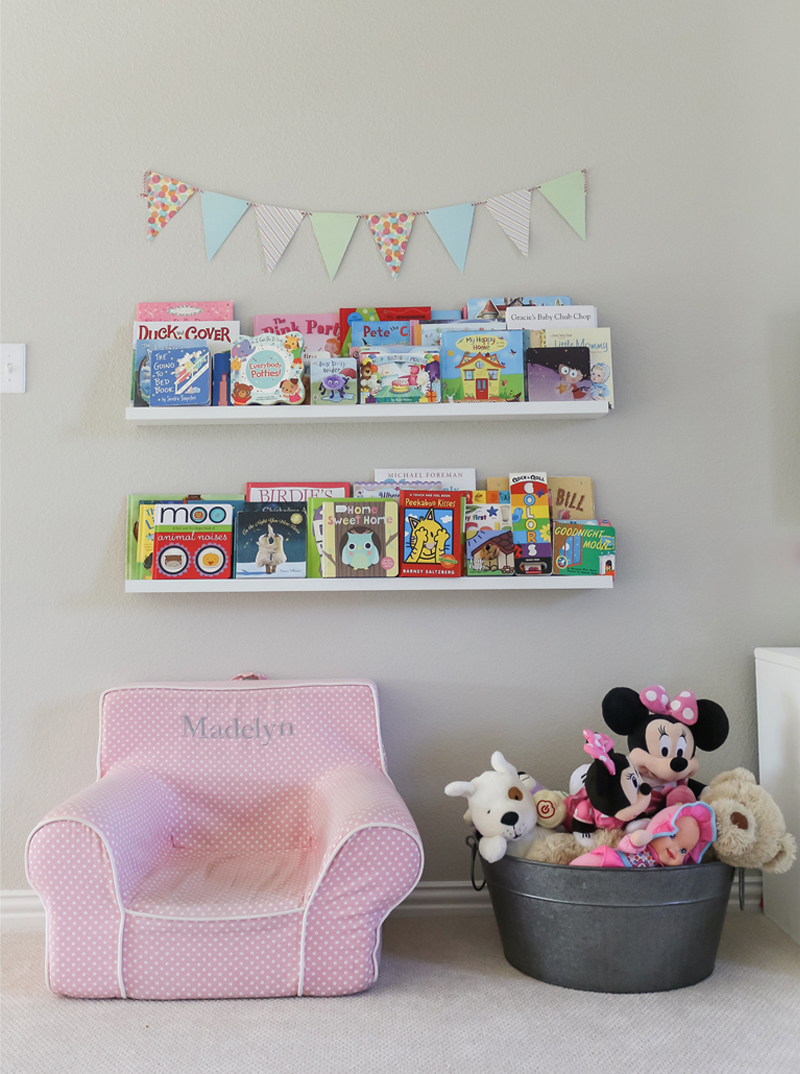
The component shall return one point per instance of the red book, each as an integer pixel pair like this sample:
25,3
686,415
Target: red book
379,313
433,533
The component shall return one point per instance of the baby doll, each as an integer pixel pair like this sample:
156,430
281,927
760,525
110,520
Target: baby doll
677,834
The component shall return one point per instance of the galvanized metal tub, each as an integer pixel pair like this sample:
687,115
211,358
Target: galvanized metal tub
610,930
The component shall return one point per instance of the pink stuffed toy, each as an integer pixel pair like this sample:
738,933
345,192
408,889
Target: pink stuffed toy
677,834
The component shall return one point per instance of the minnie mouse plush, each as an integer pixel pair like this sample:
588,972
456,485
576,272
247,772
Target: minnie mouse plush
613,793
663,737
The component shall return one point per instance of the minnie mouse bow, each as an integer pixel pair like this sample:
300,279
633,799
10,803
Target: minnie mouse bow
598,746
683,707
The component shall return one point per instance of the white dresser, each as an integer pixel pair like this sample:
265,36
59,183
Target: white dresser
778,699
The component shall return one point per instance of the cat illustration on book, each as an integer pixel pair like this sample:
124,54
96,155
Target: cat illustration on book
428,539
270,551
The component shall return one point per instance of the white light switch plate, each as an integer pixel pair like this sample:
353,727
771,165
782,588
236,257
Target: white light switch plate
12,367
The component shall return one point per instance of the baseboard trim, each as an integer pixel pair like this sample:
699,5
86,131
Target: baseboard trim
22,909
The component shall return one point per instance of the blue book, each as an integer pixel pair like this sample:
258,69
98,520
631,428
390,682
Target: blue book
180,376
494,309
270,540
381,334
483,366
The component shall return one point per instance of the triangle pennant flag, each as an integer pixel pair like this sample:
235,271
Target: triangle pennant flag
164,198
513,213
276,227
391,231
221,214
334,232
568,196
453,225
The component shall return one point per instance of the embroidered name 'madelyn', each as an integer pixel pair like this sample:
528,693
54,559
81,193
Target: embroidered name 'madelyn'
264,732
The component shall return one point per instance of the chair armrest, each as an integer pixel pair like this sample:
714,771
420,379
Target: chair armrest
132,811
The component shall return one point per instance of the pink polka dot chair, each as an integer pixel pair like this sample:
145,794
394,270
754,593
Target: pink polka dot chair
242,839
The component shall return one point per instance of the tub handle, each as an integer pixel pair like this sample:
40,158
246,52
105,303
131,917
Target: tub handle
741,889
472,843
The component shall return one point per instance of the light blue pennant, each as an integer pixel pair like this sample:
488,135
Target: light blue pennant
221,214
453,225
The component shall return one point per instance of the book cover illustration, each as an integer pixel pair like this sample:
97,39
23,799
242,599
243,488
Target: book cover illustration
598,340
584,548
558,373
294,492
572,498
270,541
538,317
429,334
320,331
482,367
404,375
456,479
489,540
180,376
530,523
333,380
390,490
349,315
192,540
267,369
216,335
184,311
382,333
494,309
432,533
360,539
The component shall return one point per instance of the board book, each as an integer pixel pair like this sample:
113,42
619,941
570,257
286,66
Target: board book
294,492
216,335
482,367
432,529
192,540
560,317
530,523
494,309
334,380
558,374
598,340
180,376
270,540
572,498
348,316
184,311
320,331
267,369
489,540
456,478
401,375
584,548
360,538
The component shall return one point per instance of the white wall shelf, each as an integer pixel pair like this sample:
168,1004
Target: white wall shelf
378,412
377,585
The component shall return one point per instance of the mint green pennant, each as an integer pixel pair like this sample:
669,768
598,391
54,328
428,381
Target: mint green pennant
568,196
334,232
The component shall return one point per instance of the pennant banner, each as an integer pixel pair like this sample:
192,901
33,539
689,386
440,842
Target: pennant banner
221,214
453,225
391,232
513,213
568,196
164,198
276,227
334,232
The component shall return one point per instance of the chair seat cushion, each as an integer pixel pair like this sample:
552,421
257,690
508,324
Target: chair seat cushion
198,884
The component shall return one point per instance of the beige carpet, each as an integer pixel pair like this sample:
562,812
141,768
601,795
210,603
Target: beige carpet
446,1001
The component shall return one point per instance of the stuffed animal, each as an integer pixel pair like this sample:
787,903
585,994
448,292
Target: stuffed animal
751,832
502,808
677,834
613,792
664,735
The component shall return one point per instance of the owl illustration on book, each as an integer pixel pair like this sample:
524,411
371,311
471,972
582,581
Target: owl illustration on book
360,549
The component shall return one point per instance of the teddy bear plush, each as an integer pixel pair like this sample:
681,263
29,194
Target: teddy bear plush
751,831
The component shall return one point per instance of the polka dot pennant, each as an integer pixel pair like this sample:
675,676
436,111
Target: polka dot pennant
164,198
391,232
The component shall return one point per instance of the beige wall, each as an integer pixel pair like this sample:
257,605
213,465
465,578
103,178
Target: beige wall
684,115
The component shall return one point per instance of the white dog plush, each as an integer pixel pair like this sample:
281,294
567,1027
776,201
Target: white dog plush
502,809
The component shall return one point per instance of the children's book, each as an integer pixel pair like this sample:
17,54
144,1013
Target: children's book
270,540
192,540
457,478
572,498
382,333
433,524
598,340
216,335
221,374
401,375
494,309
482,367
267,369
530,523
584,548
489,540
184,311
347,317
558,374
320,331
390,490
360,538
429,334
180,376
533,317
294,492
333,380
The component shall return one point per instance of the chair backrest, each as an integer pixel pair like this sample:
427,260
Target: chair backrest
240,751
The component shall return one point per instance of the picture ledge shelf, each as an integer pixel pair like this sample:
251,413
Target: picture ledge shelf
378,585
387,412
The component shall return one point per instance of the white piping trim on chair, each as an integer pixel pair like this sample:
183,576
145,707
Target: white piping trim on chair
323,875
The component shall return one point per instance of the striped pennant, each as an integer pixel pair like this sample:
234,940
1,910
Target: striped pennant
513,213
276,227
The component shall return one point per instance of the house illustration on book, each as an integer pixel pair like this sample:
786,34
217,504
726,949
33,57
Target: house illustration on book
480,376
